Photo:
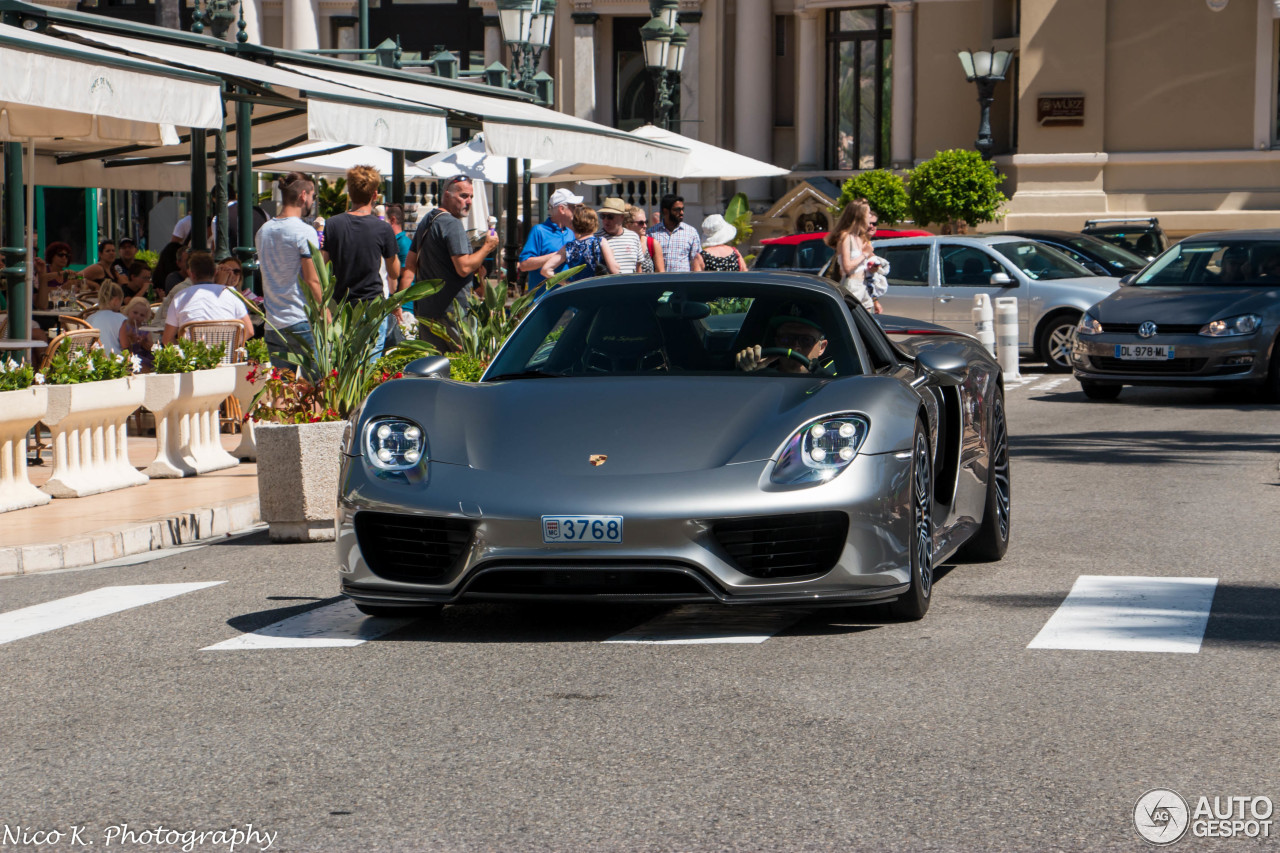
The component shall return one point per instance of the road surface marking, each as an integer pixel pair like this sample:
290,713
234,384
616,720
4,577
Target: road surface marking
1052,383
334,625
52,615
1131,614
696,624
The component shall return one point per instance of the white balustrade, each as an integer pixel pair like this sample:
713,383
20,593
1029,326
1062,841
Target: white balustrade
187,421
90,438
19,412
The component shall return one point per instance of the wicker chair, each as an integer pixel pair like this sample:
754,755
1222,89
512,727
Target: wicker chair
70,323
81,339
4,324
229,334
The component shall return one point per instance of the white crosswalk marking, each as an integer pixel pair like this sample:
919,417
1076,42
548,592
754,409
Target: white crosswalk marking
696,624
1051,384
52,615
334,625
1131,614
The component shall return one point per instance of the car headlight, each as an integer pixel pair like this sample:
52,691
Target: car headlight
1088,325
1245,324
394,444
820,449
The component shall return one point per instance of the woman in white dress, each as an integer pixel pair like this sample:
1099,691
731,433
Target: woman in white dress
851,239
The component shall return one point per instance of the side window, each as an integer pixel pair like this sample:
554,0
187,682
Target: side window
966,265
813,254
542,354
908,265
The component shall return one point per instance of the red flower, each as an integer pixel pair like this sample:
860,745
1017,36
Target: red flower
315,419
251,375
400,375
335,372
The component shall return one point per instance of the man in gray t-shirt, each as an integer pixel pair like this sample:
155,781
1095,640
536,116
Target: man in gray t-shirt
284,252
442,250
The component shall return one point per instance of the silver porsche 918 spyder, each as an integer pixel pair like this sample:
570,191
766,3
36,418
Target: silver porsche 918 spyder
740,438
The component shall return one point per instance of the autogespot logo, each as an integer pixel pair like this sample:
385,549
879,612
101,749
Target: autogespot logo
1161,816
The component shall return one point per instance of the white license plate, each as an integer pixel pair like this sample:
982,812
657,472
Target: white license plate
582,528
1143,352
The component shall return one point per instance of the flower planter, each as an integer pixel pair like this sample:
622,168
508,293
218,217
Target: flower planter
90,441
187,422
298,468
19,412
247,449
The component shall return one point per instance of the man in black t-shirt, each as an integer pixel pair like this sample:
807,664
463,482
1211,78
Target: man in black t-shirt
441,250
359,244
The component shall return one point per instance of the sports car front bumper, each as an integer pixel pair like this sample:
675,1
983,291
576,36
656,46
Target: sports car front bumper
480,535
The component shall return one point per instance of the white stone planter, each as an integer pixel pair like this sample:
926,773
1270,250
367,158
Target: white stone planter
90,441
298,479
19,412
247,449
187,424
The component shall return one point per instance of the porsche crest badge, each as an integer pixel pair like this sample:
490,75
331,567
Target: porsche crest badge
598,459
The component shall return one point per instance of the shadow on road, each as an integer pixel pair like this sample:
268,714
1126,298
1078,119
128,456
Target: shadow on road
1139,447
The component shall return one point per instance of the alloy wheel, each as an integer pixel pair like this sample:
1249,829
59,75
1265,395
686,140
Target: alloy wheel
922,501
1000,467
1061,340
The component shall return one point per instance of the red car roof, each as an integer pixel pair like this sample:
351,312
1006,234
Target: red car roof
882,234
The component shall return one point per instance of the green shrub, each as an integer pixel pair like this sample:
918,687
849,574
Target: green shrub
955,186
148,257
885,191
14,376
465,368
73,366
187,356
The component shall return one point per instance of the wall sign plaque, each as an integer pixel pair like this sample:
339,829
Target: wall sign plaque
1060,110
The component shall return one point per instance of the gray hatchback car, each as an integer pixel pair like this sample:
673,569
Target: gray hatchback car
935,279
1205,312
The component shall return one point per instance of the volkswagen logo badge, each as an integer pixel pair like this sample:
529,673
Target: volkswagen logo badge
1147,330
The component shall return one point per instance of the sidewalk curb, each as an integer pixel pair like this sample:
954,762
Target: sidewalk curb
180,528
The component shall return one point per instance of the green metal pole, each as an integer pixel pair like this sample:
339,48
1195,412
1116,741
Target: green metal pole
513,250
222,239
245,191
199,192
527,196
364,24
15,249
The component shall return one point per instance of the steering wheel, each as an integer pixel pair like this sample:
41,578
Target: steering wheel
798,358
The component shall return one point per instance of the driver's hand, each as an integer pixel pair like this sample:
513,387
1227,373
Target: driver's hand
750,359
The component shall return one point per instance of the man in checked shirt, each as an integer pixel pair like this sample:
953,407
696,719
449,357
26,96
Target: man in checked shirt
680,242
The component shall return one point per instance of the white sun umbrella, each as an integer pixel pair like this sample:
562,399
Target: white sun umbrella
321,158
704,161
470,158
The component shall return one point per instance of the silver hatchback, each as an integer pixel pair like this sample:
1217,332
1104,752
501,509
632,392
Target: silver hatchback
935,279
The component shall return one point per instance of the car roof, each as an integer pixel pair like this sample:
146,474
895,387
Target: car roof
806,236
970,239
1241,235
1041,232
787,278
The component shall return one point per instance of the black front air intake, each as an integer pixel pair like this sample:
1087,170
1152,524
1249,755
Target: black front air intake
784,546
413,548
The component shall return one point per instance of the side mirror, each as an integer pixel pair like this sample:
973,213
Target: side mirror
940,368
1002,278
1128,279
433,365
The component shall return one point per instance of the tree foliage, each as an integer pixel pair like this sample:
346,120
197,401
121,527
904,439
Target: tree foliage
885,191
738,214
955,186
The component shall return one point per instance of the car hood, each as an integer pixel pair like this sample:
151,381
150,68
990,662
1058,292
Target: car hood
645,425
1183,305
1101,283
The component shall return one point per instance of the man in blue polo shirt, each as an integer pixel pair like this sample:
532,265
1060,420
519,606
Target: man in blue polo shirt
547,238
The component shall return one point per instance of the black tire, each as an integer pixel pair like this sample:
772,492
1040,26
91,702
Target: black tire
387,611
1053,344
1273,375
991,541
914,603
1100,390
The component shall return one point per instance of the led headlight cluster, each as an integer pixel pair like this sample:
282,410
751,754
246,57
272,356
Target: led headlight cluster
1245,324
394,444
820,449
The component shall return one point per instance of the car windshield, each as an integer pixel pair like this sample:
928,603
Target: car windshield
1039,262
1141,241
805,255
1216,263
1113,256
677,325
776,256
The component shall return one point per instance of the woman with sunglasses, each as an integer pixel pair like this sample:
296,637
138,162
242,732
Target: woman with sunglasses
650,255
55,273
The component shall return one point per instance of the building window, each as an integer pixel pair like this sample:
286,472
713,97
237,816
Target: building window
859,80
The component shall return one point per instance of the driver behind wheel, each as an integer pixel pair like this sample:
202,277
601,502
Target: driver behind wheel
793,330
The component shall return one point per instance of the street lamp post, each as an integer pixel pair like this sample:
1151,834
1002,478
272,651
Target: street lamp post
664,43
986,68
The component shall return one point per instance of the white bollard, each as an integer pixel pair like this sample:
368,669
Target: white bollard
1007,335
983,321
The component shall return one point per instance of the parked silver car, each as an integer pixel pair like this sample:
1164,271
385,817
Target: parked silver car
935,279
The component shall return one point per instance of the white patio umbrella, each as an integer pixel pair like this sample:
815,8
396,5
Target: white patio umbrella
320,158
471,159
704,161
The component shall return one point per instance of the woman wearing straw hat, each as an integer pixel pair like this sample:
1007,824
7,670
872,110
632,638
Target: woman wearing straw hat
717,255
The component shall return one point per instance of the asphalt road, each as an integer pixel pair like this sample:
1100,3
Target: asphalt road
512,728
